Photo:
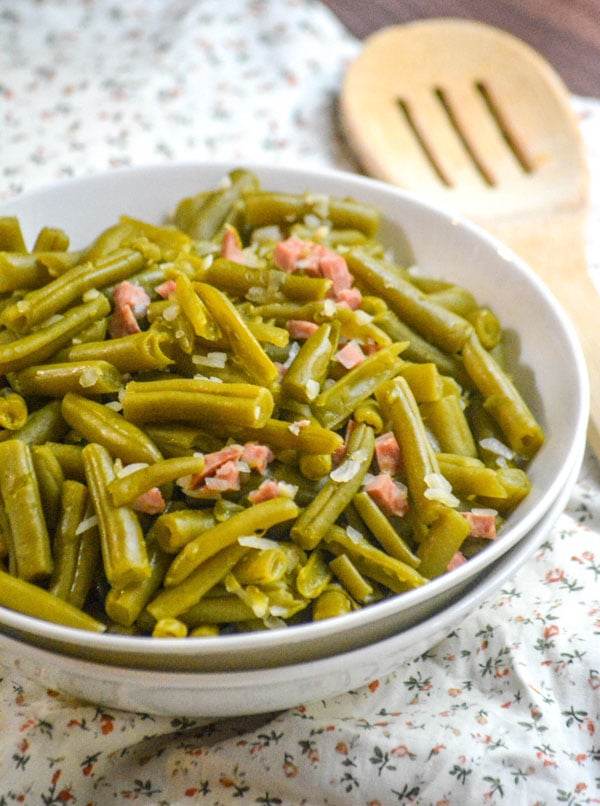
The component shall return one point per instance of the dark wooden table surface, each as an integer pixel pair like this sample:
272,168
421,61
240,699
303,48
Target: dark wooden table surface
566,32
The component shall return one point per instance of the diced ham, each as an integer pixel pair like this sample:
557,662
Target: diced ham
257,456
349,298
482,522
150,502
213,461
294,254
389,495
122,323
225,478
387,453
231,247
457,560
300,328
165,289
131,304
350,355
132,296
268,489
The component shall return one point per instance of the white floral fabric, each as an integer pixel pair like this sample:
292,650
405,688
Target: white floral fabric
506,709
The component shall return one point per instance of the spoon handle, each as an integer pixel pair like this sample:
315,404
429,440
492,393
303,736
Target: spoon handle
554,246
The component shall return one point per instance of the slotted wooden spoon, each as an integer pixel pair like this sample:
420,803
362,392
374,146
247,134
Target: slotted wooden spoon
473,118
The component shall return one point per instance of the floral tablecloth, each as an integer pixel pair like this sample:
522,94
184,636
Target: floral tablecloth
507,707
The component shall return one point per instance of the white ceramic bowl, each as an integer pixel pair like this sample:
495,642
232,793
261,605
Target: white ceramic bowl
222,694
548,368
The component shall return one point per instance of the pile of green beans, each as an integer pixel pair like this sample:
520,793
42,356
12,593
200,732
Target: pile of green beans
116,513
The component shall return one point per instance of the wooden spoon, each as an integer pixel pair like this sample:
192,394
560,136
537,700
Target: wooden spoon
474,119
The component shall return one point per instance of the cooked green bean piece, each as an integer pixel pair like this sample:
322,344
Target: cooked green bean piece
21,272
55,380
309,368
138,352
11,235
42,303
204,216
338,491
314,576
225,609
502,400
350,578
13,410
371,561
176,439
315,465
67,540
29,548
261,566
447,421
194,401
382,529
241,341
442,327
43,425
24,597
299,435
36,347
50,479
331,603
126,488
241,281
125,605
335,404
51,239
172,602
424,380
456,299
470,477
69,458
124,554
516,487
169,628
255,520
420,462
487,327
195,310
369,412
99,423
443,540
173,530
264,208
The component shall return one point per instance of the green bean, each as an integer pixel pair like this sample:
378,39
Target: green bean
314,576
172,602
20,271
443,540
24,597
331,603
261,566
76,546
42,303
469,476
487,327
69,458
335,495
241,341
195,310
169,628
255,520
11,235
138,352
13,410
125,605
442,327
50,479
173,530
29,548
264,208
424,380
51,239
98,423
516,486
203,215
225,609
359,588
299,435
502,400
176,439
124,554
309,368
382,529
335,404
241,281
448,423
420,462
36,347
55,380
127,488
198,401
371,561
43,425
454,298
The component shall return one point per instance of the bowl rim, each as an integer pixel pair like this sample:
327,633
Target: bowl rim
240,642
